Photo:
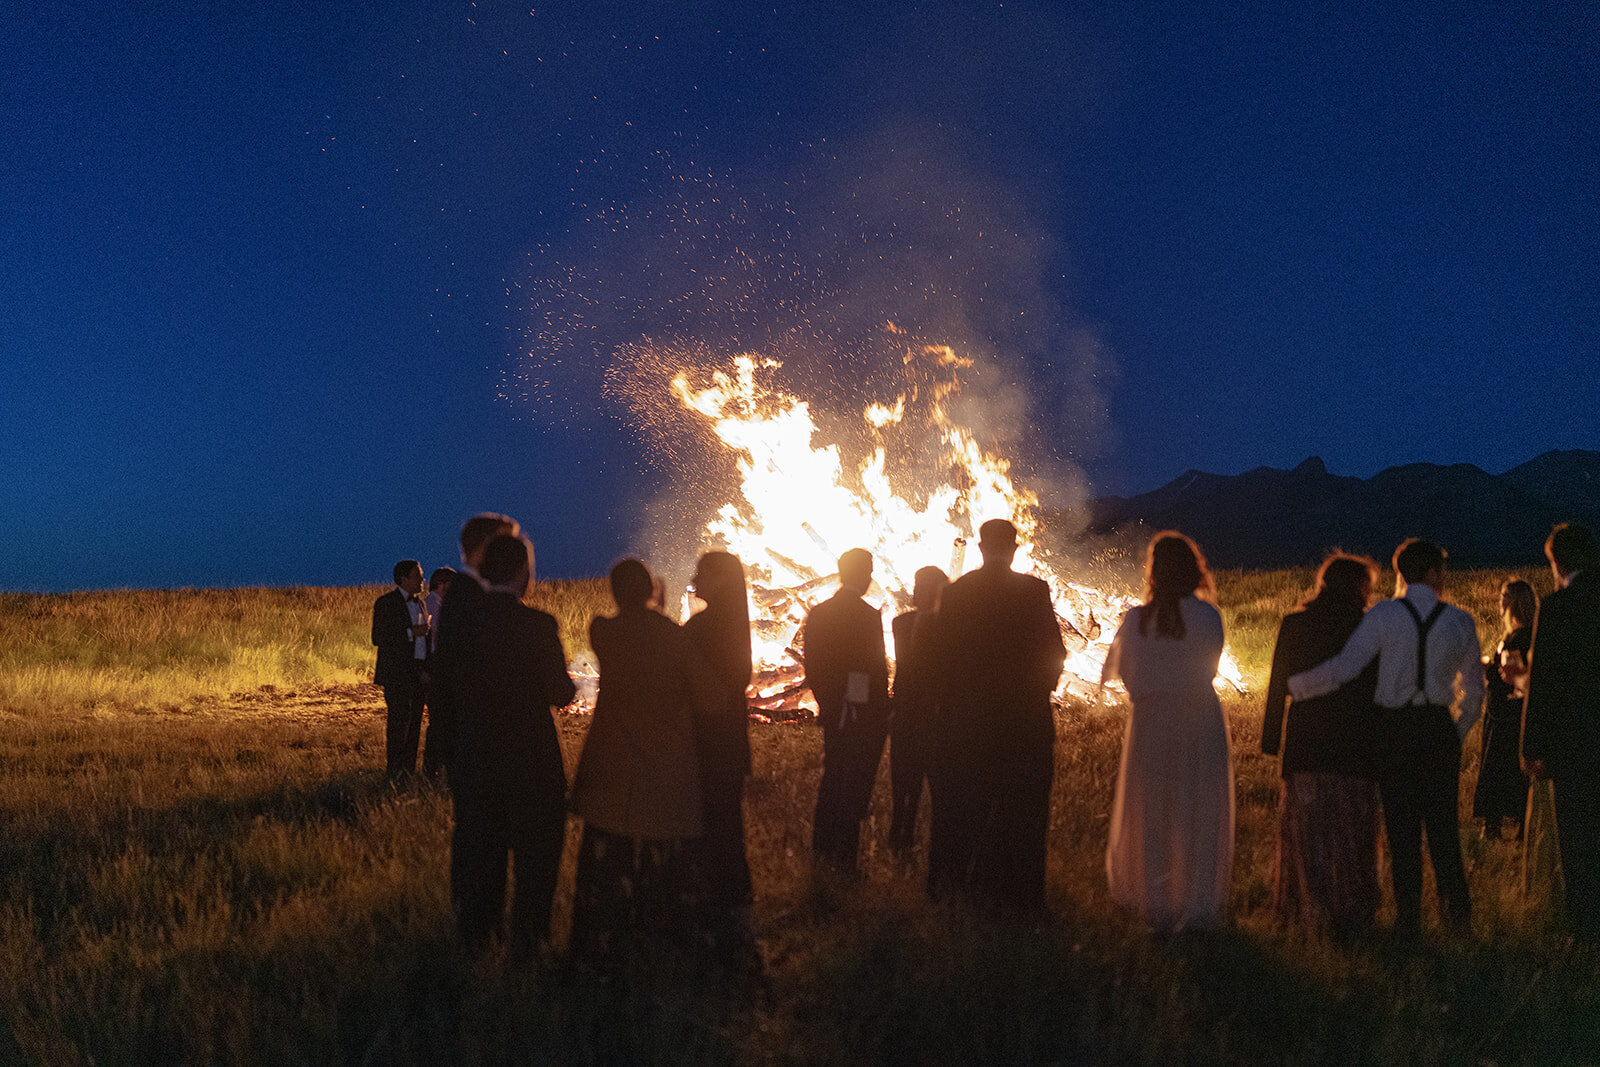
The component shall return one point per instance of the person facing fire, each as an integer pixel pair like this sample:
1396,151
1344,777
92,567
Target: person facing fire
506,671
915,704
461,596
1000,655
847,670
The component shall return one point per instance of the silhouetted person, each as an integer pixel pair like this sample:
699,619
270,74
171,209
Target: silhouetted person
433,744
637,786
463,591
1427,652
1500,798
914,706
721,634
1001,656
400,629
1561,719
1328,812
504,671
847,671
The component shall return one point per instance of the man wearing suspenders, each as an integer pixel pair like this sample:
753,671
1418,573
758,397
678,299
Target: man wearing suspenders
1430,691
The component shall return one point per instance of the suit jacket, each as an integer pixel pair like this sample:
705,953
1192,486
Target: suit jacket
1338,733
1561,716
397,662
639,773
843,635
1000,648
499,674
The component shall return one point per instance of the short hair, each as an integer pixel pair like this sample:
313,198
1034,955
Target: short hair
441,576
999,533
855,561
484,527
1347,578
405,568
504,558
1571,547
631,584
1416,557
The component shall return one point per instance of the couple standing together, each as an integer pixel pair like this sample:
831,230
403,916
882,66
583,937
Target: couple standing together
976,663
659,783
1382,699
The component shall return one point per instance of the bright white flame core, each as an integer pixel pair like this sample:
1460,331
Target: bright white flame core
799,508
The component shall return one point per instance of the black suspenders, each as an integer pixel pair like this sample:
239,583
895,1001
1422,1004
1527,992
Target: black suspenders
1423,626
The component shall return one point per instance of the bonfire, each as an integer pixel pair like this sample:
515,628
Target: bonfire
913,497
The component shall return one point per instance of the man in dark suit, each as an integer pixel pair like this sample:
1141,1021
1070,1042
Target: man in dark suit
503,670
464,589
1001,658
847,670
1561,716
400,628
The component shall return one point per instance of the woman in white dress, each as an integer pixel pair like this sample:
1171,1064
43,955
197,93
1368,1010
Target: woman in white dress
1170,857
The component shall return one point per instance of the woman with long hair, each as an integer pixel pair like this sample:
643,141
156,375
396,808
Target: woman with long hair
1170,856
721,635
1327,876
637,786
1501,796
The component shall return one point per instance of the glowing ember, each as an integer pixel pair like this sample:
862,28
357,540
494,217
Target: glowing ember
914,499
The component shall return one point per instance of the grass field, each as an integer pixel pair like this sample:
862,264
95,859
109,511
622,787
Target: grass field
200,863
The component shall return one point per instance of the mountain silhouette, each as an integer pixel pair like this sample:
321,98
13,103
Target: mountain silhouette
1269,518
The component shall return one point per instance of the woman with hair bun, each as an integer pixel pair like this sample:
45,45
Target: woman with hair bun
1170,857
1327,877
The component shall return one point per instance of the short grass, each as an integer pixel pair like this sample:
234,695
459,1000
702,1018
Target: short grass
220,875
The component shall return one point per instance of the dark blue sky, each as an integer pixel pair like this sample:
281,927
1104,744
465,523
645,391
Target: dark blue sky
286,292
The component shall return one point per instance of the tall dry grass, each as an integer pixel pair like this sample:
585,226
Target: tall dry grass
228,879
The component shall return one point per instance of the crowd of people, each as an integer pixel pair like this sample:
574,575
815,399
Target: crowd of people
1367,706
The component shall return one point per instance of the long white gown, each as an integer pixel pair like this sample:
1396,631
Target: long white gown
1170,857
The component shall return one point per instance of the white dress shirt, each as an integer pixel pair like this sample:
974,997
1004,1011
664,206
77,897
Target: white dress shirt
419,615
1454,671
432,602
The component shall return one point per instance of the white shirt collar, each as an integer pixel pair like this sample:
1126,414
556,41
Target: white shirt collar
507,589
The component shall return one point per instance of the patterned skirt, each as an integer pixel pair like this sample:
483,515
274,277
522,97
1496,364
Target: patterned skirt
1328,852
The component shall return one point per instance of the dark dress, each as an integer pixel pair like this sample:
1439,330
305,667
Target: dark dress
720,867
1502,790
637,788
1327,876
914,708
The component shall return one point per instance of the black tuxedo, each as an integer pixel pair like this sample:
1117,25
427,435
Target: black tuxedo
400,673
843,636
1561,728
500,669
1000,656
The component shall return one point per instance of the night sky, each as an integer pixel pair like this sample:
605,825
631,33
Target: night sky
287,292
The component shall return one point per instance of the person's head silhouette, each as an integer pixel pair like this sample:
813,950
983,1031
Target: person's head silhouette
855,571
